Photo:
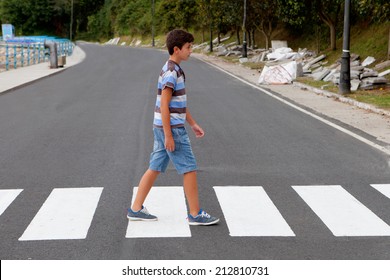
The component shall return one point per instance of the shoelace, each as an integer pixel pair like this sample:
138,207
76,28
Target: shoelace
145,211
204,214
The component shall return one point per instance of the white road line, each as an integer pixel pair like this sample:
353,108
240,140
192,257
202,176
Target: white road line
250,212
168,204
350,133
6,198
383,188
66,214
343,214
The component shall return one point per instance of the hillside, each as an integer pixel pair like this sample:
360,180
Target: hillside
365,41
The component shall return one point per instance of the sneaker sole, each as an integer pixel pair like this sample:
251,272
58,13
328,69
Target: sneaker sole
203,224
134,219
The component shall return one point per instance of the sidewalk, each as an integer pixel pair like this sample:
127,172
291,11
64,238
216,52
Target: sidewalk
371,120
15,78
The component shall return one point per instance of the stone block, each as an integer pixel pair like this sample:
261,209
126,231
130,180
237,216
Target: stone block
369,60
276,44
320,75
382,65
367,74
384,73
355,85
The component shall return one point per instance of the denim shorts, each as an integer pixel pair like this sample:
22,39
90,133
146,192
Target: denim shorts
182,157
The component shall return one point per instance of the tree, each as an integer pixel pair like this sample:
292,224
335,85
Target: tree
176,14
264,16
373,10
329,13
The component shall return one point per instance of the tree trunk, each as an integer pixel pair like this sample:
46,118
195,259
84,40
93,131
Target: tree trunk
388,49
267,39
253,39
238,36
267,32
332,28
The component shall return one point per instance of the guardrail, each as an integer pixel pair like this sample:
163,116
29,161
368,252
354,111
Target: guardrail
25,51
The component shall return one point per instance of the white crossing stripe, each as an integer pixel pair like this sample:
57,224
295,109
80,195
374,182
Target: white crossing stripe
250,212
66,214
383,188
342,213
6,198
168,204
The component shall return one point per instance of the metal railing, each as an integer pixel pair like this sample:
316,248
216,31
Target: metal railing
25,51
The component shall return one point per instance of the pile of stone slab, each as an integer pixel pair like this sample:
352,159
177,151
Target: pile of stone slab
231,49
309,64
362,77
113,41
283,65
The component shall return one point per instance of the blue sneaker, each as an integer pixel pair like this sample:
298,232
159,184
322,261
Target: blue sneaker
202,219
141,215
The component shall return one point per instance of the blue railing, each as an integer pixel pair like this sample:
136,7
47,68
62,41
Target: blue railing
25,51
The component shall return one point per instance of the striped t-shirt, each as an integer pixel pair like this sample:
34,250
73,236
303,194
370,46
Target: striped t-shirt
172,76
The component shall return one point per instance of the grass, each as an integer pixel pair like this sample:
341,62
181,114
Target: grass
379,98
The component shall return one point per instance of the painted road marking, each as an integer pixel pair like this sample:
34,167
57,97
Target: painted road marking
249,211
66,214
6,198
343,214
383,188
168,204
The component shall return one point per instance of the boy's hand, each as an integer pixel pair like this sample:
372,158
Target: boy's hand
197,130
169,143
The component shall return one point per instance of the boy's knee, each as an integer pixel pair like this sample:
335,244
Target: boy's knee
153,172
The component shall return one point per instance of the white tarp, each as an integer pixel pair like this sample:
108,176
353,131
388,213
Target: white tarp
279,74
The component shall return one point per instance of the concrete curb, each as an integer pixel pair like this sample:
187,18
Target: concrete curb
343,99
23,76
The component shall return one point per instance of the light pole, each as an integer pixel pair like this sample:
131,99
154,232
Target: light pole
71,21
153,23
244,47
210,14
345,72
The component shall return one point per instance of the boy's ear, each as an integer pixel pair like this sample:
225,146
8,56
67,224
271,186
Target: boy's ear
176,49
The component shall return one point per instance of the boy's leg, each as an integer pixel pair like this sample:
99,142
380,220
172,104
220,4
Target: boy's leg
144,187
190,184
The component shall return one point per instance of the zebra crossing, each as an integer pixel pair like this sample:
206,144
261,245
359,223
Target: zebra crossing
68,213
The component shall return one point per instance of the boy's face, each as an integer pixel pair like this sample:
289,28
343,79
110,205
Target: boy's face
185,52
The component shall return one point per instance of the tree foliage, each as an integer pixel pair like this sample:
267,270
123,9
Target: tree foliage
47,16
101,19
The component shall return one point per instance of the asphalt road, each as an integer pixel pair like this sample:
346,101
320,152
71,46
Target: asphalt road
91,126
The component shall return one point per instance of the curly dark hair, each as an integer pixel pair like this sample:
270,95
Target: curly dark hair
177,38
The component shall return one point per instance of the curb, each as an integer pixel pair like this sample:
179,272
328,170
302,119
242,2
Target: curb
343,99
77,57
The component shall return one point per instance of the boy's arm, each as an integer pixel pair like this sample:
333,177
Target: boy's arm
195,127
166,97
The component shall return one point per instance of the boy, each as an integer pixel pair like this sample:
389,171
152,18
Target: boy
171,140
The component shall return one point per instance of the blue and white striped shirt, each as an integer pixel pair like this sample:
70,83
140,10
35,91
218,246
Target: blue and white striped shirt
172,76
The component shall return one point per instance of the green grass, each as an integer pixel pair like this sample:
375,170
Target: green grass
379,98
